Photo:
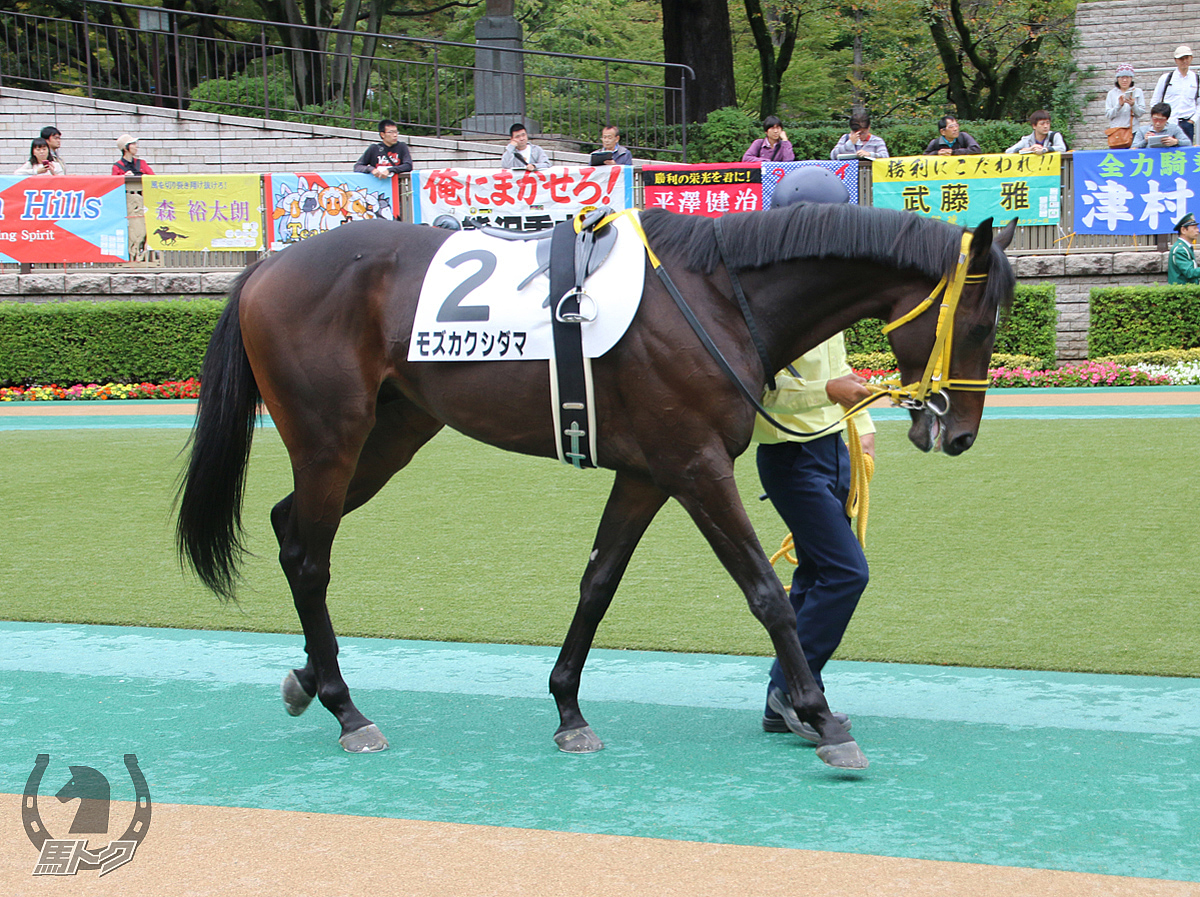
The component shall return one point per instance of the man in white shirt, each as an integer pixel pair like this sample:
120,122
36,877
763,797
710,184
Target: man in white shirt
1180,90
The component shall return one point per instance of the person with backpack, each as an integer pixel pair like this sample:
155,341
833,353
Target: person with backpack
129,165
1042,140
1180,89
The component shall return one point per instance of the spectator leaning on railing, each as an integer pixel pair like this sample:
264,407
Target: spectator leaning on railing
387,157
950,141
1042,140
860,142
1161,131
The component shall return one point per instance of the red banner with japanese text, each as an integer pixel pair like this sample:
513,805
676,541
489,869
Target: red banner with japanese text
709,190
516,199
63,219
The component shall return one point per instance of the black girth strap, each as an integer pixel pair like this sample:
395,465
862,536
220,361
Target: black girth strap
570,371
759,345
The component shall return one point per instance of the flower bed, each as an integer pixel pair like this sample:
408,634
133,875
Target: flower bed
1088,373
173,389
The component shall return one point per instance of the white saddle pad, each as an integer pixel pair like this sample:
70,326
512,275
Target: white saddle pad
470,309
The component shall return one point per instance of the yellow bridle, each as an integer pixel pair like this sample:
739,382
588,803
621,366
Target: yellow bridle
937,371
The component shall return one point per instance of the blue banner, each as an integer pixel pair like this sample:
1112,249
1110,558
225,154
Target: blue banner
773,173
1135,191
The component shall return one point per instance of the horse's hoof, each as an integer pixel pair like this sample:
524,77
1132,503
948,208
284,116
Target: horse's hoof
578,741
295,698
843,756
367,740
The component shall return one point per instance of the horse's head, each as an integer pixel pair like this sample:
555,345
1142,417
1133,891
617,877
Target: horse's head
86,783
949,420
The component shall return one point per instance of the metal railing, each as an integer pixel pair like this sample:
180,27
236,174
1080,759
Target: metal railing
184,60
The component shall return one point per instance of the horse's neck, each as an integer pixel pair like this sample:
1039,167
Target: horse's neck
813,301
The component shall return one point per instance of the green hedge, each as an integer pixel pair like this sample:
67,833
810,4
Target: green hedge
134,342
100,342
1028,329
1143,319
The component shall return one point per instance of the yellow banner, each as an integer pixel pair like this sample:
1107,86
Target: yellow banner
190,212
997,165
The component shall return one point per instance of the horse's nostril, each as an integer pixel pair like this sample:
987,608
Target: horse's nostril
960,444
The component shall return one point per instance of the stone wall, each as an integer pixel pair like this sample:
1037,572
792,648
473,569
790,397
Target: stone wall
176,142
1144,33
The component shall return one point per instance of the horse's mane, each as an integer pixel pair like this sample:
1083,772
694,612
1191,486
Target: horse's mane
818,231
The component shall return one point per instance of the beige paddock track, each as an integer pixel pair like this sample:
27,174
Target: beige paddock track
218,851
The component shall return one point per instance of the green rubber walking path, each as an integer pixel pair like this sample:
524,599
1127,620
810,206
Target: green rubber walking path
1066,771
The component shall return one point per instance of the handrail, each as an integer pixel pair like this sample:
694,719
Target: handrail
161,61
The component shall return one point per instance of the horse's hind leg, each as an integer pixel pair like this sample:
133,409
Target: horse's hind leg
631,506
399,432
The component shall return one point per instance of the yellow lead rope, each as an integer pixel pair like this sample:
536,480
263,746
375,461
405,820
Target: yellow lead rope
858,502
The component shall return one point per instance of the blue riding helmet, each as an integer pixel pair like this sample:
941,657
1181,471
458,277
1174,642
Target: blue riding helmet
809,184
448,222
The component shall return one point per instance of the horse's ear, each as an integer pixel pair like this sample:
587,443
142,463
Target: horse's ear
1005,236
981,247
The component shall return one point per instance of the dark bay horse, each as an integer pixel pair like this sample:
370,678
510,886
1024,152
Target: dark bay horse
320,333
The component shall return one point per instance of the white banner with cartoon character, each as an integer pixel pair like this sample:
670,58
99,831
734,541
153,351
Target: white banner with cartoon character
302,205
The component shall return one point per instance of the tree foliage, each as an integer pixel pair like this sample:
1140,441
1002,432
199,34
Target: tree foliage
992,50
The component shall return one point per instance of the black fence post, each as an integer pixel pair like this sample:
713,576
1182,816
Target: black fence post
262,45
87,49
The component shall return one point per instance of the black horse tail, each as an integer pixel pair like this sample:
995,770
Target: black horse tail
209,534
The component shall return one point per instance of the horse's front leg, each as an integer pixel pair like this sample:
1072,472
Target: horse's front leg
710,496
632,504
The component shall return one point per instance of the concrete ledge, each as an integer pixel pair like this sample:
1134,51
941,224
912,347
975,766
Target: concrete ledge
132,283
1098,263
177,283
1139,263
42,283
218,282
1041,266
9,285
88,284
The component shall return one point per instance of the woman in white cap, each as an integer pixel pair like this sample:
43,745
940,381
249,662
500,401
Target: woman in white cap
129,164
1125,104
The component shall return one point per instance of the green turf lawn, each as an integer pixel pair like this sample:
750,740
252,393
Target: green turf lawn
1050,545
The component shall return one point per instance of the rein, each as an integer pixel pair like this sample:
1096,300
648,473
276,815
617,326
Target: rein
914,396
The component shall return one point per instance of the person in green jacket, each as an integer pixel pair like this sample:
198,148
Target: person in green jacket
1181,264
